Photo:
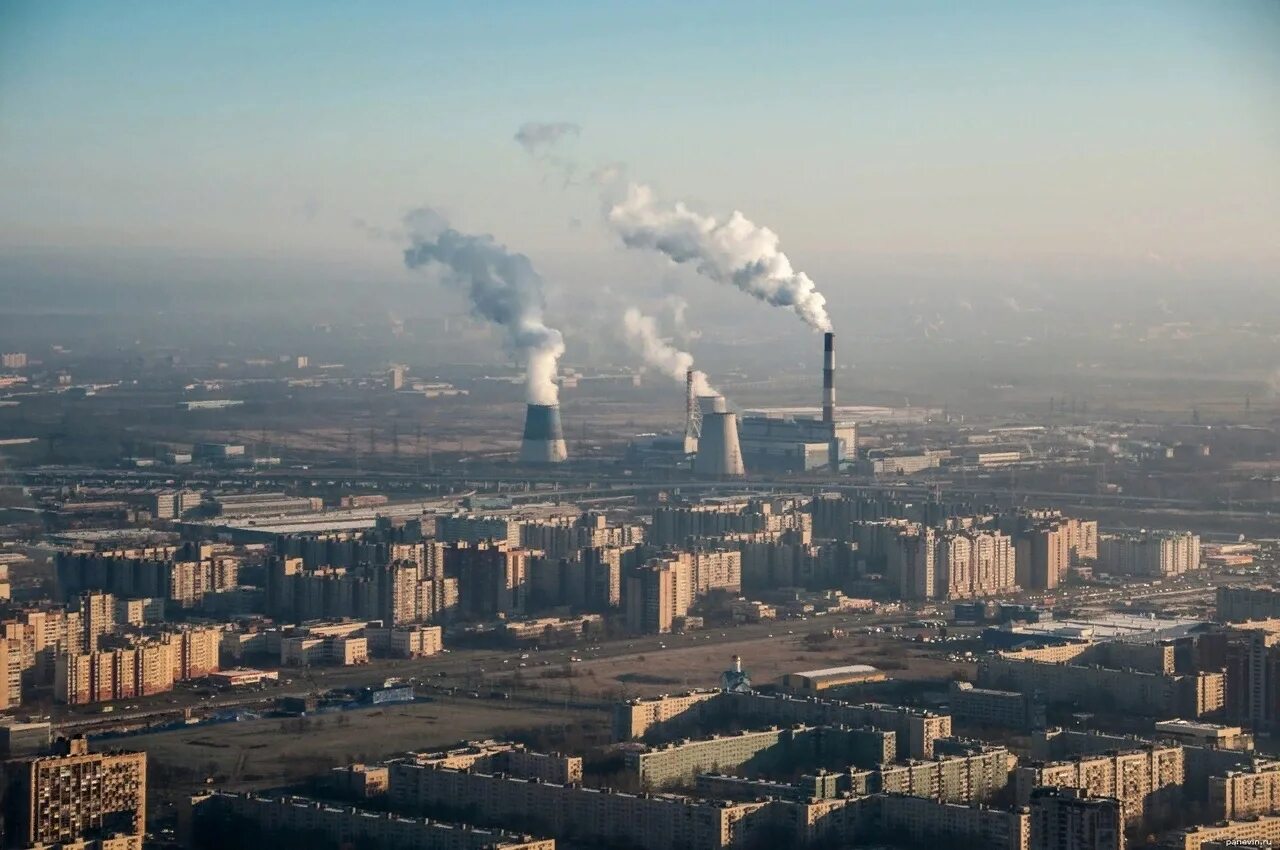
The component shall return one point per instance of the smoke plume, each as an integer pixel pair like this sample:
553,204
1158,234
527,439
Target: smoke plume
642,335
538,137
503,288
736,251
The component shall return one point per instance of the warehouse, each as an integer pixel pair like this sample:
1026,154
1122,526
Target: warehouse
816,681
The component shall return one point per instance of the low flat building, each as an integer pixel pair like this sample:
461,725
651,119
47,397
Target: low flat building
816,681
1202,734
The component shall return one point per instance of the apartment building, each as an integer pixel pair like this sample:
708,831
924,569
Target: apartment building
139,612
195,651
140,667
181,575
288,817
636,718
1245,793
1149,694
648,821
1149,554
472,530
971,774
1250,653
399,592
98,616
915,729
924,821
314,649
1238,604
677,525
563,537
34,637
965,563
75,795
1147,781
660,766
991,707
657,594
493,579
1069,819
507,758
1258,832
416,641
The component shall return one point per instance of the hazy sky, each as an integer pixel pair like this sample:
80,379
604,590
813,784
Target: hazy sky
1133,141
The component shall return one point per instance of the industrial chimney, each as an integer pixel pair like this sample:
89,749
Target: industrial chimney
692,415
829,378
719,454
829,399
543,435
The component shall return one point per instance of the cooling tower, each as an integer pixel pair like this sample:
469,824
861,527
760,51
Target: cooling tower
719,454
711,404
543,436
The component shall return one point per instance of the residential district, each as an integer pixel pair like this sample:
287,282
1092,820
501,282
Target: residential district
816,628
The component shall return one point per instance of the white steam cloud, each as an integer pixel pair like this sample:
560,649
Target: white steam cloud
503,287
643,337
735,251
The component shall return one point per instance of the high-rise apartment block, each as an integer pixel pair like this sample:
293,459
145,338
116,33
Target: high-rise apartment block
960,564
140,667
1237,604
657,594
1070,819
1149,554
1147,781
182,575
75,795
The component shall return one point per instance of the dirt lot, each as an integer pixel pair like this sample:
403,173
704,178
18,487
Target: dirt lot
687,664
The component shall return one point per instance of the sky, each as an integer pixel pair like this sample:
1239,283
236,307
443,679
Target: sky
1114,143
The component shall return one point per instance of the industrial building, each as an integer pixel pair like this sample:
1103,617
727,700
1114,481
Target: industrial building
816,681
799,440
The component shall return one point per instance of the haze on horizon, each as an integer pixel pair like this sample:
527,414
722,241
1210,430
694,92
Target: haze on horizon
1002,145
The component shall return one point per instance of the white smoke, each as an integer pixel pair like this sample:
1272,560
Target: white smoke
503,287
736,251
643,337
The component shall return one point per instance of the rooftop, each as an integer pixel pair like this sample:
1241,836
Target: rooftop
837,671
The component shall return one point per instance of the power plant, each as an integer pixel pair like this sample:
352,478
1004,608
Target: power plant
543,435
719,454
795,440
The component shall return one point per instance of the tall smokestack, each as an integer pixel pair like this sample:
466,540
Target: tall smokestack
692,414
829,378
543,435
